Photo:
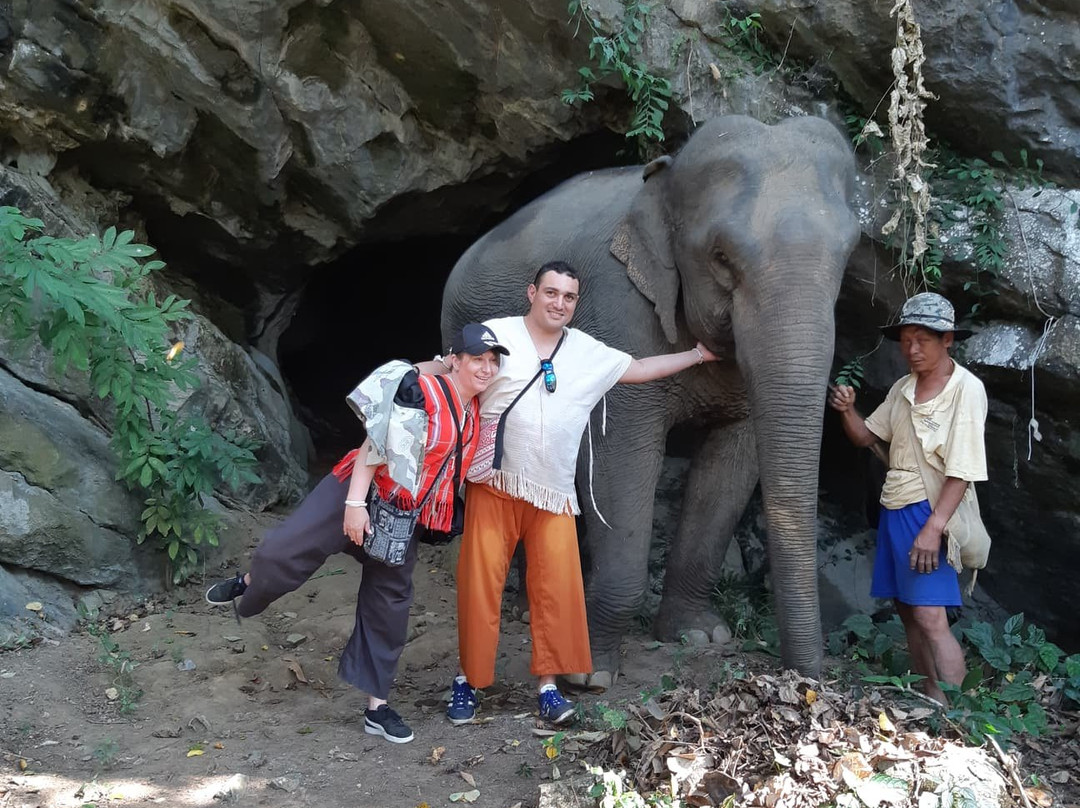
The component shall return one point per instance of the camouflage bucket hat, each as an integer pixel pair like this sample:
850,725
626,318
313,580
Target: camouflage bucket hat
930,310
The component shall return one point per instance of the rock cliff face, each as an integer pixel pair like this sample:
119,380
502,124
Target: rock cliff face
258,143
279,134
62,510
1006,73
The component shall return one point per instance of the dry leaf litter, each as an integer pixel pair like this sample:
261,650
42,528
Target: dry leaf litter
783,741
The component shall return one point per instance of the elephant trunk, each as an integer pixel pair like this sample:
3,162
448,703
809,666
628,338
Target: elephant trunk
786,366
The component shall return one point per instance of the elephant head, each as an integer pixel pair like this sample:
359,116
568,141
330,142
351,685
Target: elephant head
744,237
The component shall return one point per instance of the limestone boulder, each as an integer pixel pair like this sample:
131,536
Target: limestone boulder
33,605
244,393
61,511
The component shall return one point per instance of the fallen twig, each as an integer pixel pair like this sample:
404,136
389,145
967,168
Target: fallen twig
1010,768
937,705
693,719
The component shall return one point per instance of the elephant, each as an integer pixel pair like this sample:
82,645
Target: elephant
740,241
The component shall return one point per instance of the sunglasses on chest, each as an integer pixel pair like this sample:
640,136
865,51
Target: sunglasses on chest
548,371
547,368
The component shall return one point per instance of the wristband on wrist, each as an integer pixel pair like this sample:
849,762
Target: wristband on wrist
355,503
700,355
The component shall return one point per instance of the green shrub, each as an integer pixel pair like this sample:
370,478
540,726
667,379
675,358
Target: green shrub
873,646
618,54
89,303
1014,673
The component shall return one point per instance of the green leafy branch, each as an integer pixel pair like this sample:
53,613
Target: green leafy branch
862,129
851,374
617,54
743,37
89,300
981,188
1001,693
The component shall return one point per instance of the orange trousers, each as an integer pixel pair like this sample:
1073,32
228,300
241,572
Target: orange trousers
494,523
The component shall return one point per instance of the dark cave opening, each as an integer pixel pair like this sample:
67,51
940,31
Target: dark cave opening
375,304
382,300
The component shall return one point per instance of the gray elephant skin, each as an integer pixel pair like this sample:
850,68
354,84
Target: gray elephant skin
740,241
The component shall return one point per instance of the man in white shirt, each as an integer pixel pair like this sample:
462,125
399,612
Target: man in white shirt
522,488
933,417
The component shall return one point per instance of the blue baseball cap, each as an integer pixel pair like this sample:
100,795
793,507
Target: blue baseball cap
476,339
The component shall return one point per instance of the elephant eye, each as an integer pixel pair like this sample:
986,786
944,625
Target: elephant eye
723,270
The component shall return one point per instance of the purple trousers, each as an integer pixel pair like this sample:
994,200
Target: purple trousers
290,553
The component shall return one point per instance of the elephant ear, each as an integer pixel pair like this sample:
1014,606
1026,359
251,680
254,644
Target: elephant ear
642,242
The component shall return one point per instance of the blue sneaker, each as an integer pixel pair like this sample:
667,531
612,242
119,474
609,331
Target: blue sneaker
463,702
554,708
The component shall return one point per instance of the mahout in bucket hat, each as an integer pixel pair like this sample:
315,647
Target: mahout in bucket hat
929,310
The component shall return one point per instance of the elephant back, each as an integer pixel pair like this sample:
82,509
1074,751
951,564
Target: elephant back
574,222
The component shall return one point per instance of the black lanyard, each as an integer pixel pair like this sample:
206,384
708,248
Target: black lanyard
500,431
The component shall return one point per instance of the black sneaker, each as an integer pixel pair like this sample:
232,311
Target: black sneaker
387,723
226,591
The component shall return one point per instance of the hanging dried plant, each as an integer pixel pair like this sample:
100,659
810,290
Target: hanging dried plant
907,101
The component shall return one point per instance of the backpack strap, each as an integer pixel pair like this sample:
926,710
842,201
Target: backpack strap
457,425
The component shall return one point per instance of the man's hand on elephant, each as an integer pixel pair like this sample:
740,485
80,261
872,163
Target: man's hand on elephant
841,397
925,554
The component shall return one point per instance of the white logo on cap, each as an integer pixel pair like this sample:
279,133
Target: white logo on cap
488,338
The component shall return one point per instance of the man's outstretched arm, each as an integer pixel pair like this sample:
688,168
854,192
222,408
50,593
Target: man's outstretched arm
661,366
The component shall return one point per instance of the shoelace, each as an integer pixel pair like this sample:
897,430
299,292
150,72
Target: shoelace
461,697
552,698
386,716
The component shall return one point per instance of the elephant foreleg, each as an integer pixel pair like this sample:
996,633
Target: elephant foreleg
722,478
618,552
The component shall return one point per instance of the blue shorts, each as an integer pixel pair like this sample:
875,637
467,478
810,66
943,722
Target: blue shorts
893,576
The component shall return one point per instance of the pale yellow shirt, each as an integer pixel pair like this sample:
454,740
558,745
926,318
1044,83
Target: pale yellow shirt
949,429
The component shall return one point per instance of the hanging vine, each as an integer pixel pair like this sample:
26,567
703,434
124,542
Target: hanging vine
907,101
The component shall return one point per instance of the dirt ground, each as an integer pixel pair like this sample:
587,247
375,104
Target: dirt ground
262,718
253,713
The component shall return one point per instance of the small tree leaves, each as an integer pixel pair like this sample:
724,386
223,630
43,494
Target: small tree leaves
615,54
851,374
94,314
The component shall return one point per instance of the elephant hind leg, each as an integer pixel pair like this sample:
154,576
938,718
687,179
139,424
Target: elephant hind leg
722,478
